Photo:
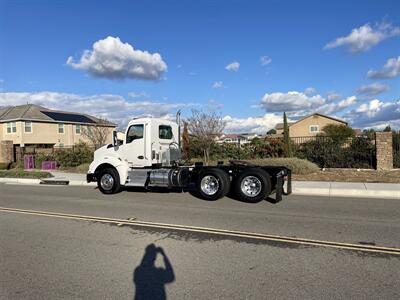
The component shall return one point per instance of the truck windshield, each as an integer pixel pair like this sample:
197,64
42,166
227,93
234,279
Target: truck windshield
165,132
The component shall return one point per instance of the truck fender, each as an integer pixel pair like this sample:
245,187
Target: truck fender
121,167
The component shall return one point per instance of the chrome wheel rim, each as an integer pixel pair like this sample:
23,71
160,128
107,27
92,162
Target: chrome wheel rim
107,182
209,185
251,186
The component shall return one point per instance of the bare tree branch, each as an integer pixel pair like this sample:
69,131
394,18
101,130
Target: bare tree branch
205,126
97,134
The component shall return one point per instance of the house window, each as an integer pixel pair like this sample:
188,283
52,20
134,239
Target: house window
28,127
11,127
77,129
165,132
314,128
61,128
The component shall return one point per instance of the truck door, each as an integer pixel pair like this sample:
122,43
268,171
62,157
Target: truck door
135,151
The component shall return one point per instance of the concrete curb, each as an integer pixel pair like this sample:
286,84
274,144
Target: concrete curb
352,193
20,180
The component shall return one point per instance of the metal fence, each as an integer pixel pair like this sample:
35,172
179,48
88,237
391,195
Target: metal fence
46,149
396,149
336,151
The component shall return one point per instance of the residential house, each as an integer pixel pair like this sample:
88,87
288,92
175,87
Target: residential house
234,138
35,126
308,126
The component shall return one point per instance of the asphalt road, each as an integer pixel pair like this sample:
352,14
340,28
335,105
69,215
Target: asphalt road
45,257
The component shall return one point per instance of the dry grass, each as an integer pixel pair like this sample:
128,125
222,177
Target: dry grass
83,168
297,165
352,175
19,173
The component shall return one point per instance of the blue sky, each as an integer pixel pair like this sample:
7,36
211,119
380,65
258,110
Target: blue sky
305,67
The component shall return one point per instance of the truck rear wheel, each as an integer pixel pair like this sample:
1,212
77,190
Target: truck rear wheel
108,181
252,185
213,184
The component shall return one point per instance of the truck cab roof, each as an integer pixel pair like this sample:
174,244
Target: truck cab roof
151,120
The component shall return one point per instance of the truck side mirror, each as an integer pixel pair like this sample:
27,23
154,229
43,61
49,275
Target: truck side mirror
115,140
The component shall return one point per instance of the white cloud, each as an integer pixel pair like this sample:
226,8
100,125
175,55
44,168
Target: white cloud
112,59
113,107
365,37
372,89
332,96
375,113
265,60
310,91
213,105
333,108
290,101
390,70
218,85
138,94
299,104
258,125
233,66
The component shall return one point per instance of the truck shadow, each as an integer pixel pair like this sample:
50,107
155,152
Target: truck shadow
149,280
178,190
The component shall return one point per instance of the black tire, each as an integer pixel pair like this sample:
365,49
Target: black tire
263,179
223,187
115,186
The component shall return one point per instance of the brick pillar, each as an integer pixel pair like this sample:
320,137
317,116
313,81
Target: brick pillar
6,151
384,151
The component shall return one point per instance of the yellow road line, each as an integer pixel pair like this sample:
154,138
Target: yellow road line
223,232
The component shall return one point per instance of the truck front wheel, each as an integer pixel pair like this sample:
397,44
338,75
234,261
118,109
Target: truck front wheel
213,184
108,181
252,185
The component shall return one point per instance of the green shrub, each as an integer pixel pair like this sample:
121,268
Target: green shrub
330,153
41,157
4,166
81,154
268,148
297,165
83,168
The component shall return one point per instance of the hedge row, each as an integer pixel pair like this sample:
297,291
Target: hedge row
80,154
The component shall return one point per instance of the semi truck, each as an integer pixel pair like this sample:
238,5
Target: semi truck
150,157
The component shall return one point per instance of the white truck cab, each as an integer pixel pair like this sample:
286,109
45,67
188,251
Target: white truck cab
148,142
149,156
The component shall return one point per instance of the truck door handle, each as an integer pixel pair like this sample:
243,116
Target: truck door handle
140,157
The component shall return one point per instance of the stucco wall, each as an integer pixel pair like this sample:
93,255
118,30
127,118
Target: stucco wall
302,128
46,133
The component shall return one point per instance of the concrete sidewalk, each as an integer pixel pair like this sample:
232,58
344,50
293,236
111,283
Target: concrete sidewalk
347,189
313,188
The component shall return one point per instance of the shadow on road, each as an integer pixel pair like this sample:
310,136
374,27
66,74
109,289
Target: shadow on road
192,193
150,280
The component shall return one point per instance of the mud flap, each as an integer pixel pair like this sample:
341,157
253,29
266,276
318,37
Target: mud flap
280,190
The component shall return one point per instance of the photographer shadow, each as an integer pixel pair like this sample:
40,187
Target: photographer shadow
150,280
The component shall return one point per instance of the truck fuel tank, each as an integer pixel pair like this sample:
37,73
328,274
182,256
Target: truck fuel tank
175,177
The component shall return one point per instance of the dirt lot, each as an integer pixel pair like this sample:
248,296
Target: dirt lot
352,175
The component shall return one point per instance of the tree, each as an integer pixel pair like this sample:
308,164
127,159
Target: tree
387,129
271,131
369,133
286,137
97,134
339,133
185,142
205,126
